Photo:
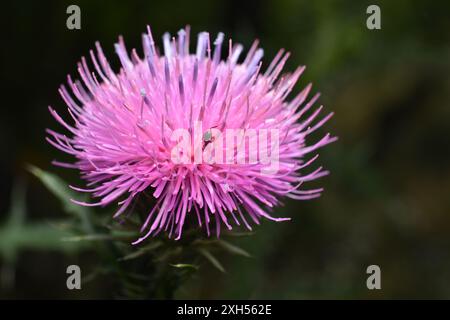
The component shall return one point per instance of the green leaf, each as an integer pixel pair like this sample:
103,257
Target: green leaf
238,234
17,235
33,236
208,255
61,190
142,251
233,249
99,237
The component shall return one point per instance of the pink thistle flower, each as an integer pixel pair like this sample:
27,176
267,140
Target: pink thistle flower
122,136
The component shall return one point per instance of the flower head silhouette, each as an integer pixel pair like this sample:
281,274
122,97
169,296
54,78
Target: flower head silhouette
124,133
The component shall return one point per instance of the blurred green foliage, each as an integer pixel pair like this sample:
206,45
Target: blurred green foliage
155,269
386,201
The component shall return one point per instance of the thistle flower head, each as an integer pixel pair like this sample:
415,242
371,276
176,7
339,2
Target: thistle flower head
211,138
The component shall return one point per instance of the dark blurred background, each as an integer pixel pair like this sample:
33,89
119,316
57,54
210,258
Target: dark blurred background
386,201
